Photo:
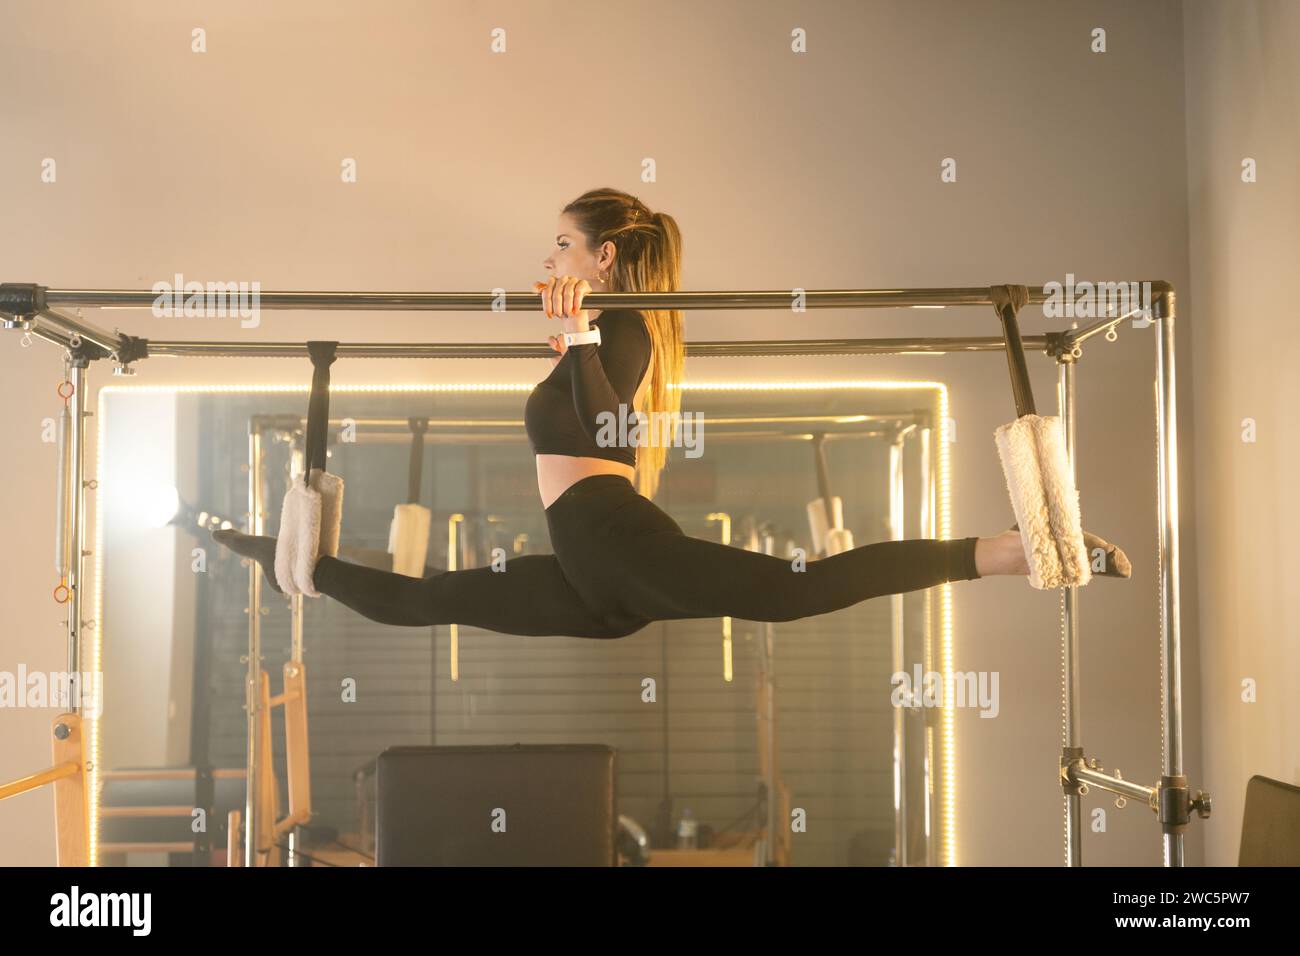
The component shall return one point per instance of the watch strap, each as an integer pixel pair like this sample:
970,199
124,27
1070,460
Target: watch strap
591,336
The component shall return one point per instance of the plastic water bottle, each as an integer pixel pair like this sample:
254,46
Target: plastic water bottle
687,827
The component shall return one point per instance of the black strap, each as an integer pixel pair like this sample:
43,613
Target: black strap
823,473
416,471
318,406
1008,300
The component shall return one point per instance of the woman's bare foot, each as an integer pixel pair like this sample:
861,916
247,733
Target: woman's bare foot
1116,563
1004,554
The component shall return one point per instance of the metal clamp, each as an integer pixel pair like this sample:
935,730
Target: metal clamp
1070,756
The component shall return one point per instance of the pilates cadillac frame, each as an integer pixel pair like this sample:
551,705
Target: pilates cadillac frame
895,430
37,310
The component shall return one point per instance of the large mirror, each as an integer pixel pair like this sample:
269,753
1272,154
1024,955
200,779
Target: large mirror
787,729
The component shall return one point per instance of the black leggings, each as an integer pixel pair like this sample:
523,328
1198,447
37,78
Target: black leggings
621,563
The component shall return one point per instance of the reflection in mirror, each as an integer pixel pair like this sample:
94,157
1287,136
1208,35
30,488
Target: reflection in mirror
706,717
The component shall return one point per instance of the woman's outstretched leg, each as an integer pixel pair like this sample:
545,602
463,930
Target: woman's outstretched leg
672,576
530,596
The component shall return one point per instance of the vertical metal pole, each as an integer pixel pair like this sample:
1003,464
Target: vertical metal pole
252,684
1171,633
897,657
765,658
928,530
77,522
1070,716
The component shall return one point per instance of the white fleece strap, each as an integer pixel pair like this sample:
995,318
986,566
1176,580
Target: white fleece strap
1045,501
408,539
310,521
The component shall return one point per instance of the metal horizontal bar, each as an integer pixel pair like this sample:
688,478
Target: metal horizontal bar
63,330
402,425
66,324
891,346
42,330
479,438
1077,336
1104,781
498,350
513,301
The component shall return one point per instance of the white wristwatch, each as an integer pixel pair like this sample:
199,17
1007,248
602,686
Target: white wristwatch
591,336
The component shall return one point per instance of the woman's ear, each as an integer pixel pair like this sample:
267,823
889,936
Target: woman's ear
608,253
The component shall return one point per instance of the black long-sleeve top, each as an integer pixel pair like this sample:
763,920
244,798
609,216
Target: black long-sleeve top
563,413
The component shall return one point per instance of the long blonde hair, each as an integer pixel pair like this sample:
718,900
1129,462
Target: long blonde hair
649,259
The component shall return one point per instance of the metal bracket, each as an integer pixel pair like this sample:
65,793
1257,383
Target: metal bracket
1176,803
1069,757
21,300
131,349
83,352
1062,348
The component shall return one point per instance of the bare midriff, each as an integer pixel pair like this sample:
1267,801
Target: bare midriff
557,473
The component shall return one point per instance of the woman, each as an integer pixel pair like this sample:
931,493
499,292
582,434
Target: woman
620,562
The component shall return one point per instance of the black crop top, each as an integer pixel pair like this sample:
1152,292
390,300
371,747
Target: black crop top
560,415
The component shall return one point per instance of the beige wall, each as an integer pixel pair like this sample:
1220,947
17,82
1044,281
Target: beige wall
819,171
1243,101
